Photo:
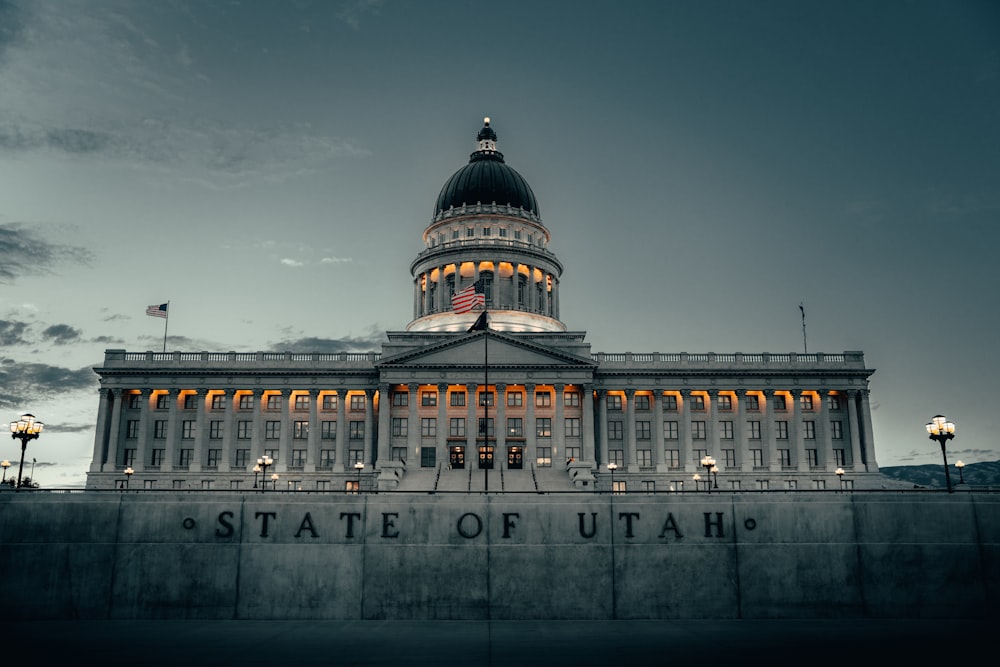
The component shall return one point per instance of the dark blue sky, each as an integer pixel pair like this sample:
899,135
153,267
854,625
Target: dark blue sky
269,167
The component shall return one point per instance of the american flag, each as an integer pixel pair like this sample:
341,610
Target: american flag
469,298
157,311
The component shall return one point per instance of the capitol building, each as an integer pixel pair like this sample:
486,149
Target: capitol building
518,404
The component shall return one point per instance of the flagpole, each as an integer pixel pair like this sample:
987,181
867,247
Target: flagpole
805,348
486,407
166,321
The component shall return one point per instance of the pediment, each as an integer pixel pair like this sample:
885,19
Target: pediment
473,350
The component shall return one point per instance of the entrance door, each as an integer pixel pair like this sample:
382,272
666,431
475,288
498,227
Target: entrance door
515,458
457,457
486,457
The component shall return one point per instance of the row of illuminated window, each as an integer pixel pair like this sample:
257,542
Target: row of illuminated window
672,457
244,429
724,402
543,399
350,486
650,487
456,427
241,457
247,401
699,430
470,232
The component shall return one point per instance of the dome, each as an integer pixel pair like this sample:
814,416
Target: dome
486,179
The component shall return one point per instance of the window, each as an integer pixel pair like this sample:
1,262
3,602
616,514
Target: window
697,402
837,430
486,427
614,402
330,401
157,457
838,457
572,427
272,430
571,399
642,430
806,401
670,430
298,457
782,428
357,402
428,427
160,429
698,430
543,399
812,456
322,485
214,456
779,402
185,456
400,398
810,430
215,430
819,484
752,402
302,401
618,487
272,453
672,457
726,430
246,401
398,454
725,402
187,429
244,430
327,457
133,401
357,430
544,459
457,427
649,488
328,430
486,398
190,401
234,484
791,484
615,431
300,430
572,453
502,231
148,483
470,231
129,457
400,426
517,234
642,402
458,399
754,428
428,398
352,486
644,457
132,428
729,455
161,401
428,457
670,402
486,231
515,428
218,401
616,456
543,427
833,401
273,402
242,456
758,457
515,399
785,457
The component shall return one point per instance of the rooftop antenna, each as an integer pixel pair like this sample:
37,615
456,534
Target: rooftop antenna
805,348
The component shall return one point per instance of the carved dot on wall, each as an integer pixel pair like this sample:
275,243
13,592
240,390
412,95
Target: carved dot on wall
188,523
749,524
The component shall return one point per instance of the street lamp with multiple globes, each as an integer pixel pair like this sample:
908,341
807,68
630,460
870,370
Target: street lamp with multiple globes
261,467
4,464
612,467
961,477
839,472
359,466
696,478
942,430
715,477
708,463
128,475
25,430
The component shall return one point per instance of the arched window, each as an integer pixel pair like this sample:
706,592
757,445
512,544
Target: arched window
487,278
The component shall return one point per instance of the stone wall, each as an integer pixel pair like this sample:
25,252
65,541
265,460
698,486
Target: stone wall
558,556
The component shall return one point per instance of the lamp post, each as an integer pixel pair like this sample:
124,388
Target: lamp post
261,467
708,463
359,466
612,467
942,430
961,477
256,471
839,472
274,482
4,464
25,430
715,477
128,475
696,478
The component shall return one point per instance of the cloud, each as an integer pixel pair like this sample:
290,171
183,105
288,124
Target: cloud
366,343
352,11
26,252
25,383
12,333
292,262
109,340
335,260
11,25
61,334
70,428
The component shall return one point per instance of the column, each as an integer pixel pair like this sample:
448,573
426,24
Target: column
471,424
417,311
740,432
285,431
115,432
555,297
770,434
824,445
412,419
559,427
142,446
342,464
441,443
443,300
103,414
426,296
384,447
369,455
501,425
631,461
257,435
868,438
685,431
795,433
602,427
200,431
658,444
312,450
530,304
226,461
170,457
853,430
711,427
530,432
587,428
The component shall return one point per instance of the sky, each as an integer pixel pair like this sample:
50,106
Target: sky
704,167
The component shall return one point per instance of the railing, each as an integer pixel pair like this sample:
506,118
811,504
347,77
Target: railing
688,359
241,357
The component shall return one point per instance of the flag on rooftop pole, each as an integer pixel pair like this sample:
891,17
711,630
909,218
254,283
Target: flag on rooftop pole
482,324
467,299
157,311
